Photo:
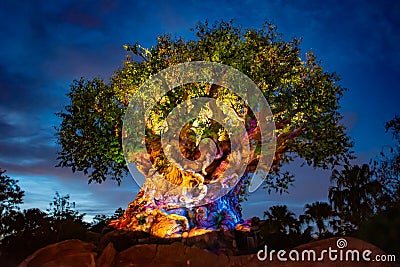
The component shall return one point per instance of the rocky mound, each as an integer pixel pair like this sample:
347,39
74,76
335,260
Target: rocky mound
79,253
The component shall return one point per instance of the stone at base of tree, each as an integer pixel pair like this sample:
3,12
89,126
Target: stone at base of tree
79,253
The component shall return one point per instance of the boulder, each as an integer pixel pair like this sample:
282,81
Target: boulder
107,257
65,253
175,254
122,239
78,253
139,255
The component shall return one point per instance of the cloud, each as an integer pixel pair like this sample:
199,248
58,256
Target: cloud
89,199
18,91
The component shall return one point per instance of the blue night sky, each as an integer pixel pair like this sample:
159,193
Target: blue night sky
47,44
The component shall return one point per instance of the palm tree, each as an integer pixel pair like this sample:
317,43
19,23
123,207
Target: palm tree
284,219
317,212
355,193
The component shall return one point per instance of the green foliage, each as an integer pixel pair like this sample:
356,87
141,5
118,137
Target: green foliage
303,97
65,221
62,209
90,131
142,220
10,197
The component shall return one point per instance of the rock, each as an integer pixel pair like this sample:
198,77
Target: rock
255,221
199,257
139,255
218,242
207,240
65,253
78,253
122,239
174,254
107,257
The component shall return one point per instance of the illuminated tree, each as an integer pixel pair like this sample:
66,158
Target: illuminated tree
302,96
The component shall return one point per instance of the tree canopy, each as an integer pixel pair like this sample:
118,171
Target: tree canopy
303,97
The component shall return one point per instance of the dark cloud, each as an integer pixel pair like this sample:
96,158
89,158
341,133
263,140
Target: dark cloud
7,130
18,91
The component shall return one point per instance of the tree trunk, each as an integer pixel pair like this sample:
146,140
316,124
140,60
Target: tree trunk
146,214
158,207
